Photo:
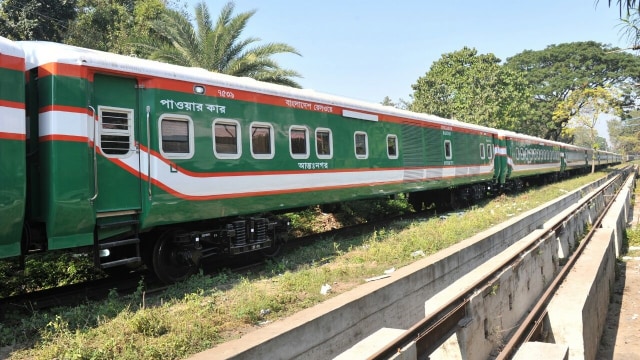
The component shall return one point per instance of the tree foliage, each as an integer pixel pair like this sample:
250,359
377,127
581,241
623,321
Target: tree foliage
100,25
217,46
473,88
583,107
557,71
401,104
625,134
36,19
627,6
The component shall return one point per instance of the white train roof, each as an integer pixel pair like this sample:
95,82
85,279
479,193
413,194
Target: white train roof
39,53
9,47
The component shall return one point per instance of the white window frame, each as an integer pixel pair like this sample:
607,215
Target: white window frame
272,142
366,145
128,132
177,117
490,150
324,156
483,152
450,146
236,123
395,137
306,139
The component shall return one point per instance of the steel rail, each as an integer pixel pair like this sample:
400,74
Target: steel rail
431,332
532,323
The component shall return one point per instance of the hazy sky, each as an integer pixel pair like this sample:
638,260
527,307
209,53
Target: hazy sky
371,49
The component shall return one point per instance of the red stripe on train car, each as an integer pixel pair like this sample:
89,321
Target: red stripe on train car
12,62
12,136
12,104
69,138
64,108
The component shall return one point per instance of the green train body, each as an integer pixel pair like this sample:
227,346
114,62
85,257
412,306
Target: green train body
12,148
138,159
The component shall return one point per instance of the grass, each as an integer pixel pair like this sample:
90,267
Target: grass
47,270
632,235
210,309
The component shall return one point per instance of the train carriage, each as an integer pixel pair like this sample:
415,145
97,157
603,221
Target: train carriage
529,156
126,146
12,148
575,158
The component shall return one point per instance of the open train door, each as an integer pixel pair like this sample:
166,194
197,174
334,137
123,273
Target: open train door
117,155
117,198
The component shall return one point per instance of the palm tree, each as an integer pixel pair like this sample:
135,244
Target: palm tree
218,47
627,5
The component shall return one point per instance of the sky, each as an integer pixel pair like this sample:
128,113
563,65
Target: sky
367,50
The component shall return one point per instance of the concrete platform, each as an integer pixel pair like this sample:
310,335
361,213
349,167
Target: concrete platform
539,350
372,344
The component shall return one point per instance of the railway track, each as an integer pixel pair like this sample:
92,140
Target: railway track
429,333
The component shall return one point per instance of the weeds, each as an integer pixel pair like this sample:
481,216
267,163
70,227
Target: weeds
206,310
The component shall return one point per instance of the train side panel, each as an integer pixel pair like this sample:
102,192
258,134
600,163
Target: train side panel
12,148
61,169
531,157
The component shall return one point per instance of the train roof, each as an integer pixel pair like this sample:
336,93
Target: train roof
8,47
39,53
534,139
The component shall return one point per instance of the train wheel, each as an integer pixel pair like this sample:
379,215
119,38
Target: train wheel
172,261
416,200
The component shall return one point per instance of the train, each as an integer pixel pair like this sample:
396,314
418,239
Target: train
140,162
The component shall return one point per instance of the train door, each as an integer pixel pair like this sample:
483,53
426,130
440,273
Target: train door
117,169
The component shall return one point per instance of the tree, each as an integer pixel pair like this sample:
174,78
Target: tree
472,88
36,19
401,104
112,26
627,5
557,71
217,47
625,135
583,107
630,29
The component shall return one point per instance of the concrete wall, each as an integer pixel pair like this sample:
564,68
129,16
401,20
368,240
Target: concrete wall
497,309
578,312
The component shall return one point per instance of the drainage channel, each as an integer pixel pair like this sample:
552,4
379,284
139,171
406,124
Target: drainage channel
481,317
426,337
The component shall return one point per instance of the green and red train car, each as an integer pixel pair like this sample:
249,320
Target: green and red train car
12,148
142,161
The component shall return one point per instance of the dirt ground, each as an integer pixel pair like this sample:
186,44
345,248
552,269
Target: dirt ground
621,337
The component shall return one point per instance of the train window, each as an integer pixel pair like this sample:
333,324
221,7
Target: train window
299,142
490,151
361,145
226,139
176,136
448,154
116,131
324,144
392,146
483,153
262,142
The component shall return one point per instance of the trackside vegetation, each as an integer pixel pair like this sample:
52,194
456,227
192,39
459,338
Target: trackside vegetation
209,309
633,233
